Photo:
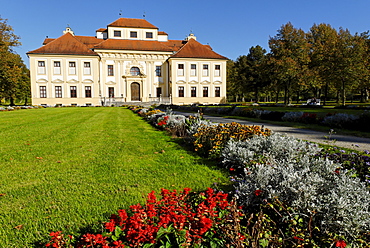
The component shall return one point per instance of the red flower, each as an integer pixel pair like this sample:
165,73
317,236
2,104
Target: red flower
295,237
231,169
340,244
258,192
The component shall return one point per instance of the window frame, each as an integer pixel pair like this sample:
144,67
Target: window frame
133,34
217,70
180,71
205,91
193,91
73,91
217,91
181,91
110,71
57,67
58,91
87,91
117,33
193,70
205,70
43,93
158,70
72,69
111,92
149,35
41,67
87,69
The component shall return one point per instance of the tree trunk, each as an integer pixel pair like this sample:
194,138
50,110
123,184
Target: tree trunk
12,101
343,93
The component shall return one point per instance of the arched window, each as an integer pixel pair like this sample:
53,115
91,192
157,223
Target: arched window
135,71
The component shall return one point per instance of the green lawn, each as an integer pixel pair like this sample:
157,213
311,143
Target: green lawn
70,168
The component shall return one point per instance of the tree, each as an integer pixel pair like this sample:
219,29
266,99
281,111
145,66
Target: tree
289,56
14,76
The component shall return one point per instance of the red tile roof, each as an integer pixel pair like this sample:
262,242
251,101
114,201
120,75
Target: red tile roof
132,23
162,33
67,44
193,49
101,30
175,45
140,45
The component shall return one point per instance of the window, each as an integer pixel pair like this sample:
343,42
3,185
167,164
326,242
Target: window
87,68
41,67
87,91
205,70
180,70
133,34
57,67
111,91
42,91
193,91
149,35
117,33
181,91
73,91
110,70
72,68
158,71
193,70
58,91
217,92
135,71
217,70
205,91
159,91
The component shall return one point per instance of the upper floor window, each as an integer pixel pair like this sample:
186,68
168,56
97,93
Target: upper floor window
217,70
193,70
41,67
133,34
72,68
158,71
42,91
217,91
58,91
117,33
149,35
205,70
135,71
57,67
87,68
181,91
110,70
87,91
180,69
73,91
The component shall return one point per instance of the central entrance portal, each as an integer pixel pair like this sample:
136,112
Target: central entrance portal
135,92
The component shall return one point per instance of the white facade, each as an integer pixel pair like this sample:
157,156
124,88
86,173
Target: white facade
129,61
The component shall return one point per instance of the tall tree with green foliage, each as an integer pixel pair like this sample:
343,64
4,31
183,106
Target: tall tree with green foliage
14,75
289,54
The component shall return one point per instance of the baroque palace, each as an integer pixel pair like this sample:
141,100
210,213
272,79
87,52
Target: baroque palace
129,61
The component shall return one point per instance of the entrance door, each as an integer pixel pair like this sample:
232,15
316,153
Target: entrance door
135,92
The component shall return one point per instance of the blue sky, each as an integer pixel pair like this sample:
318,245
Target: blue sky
231,27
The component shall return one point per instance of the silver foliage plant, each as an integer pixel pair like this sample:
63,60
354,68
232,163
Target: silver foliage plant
313,186
292,116
276,148
340,120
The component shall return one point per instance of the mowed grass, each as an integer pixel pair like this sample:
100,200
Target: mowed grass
69,169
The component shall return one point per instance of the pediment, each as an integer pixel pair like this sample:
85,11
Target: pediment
205,82
110,83
42,81
72,81
57,81
217,82
87,81
181,82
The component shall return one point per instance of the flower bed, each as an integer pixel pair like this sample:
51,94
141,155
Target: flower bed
289,193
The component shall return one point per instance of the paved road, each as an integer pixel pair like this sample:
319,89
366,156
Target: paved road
352,142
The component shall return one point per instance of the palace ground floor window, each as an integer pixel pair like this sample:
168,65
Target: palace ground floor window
205,91
181,91
87,91
193,91
58,91
73,91
42,91
217,91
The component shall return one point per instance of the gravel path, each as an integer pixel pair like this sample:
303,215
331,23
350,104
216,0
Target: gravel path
352,142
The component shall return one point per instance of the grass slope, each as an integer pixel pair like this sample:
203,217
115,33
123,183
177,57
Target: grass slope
70,168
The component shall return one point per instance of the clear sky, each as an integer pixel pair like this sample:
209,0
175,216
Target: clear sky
231,27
